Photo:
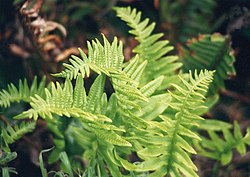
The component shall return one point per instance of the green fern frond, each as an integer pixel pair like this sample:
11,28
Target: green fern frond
174,158
106,59
61,101
150,48
211,52
22,93
10,134
6,157
221,149
197,13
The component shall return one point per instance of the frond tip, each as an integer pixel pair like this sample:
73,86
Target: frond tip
106,59
150,48
22,93
11,134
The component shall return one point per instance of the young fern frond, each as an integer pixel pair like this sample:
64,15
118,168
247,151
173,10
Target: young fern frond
221,149
211,52
185,101
22,93
150,48
10,134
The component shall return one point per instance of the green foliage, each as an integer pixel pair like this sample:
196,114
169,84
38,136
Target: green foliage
184,18
105,59
220,148
10,134
108,60
22,93
7,170
6,157
65,161
157,128
212,52
150,48
186,102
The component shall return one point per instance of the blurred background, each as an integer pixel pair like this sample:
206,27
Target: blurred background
36,42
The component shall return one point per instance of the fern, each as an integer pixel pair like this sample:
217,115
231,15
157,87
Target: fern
11,134
6,157
183,19
221,149
150,49
174,159
22,93
105,59
108,60
211,52
62,101
139,118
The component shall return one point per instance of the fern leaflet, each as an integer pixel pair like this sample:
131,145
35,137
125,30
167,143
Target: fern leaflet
150,48
11,134
22,93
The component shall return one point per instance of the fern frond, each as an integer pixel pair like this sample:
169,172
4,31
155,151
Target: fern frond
11,134
61,101
221,149
185,18
6,157
22,93
106,59
150,48
211,52
174,157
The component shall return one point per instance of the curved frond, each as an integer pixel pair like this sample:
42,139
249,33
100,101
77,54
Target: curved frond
150,48
22,93
212,52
